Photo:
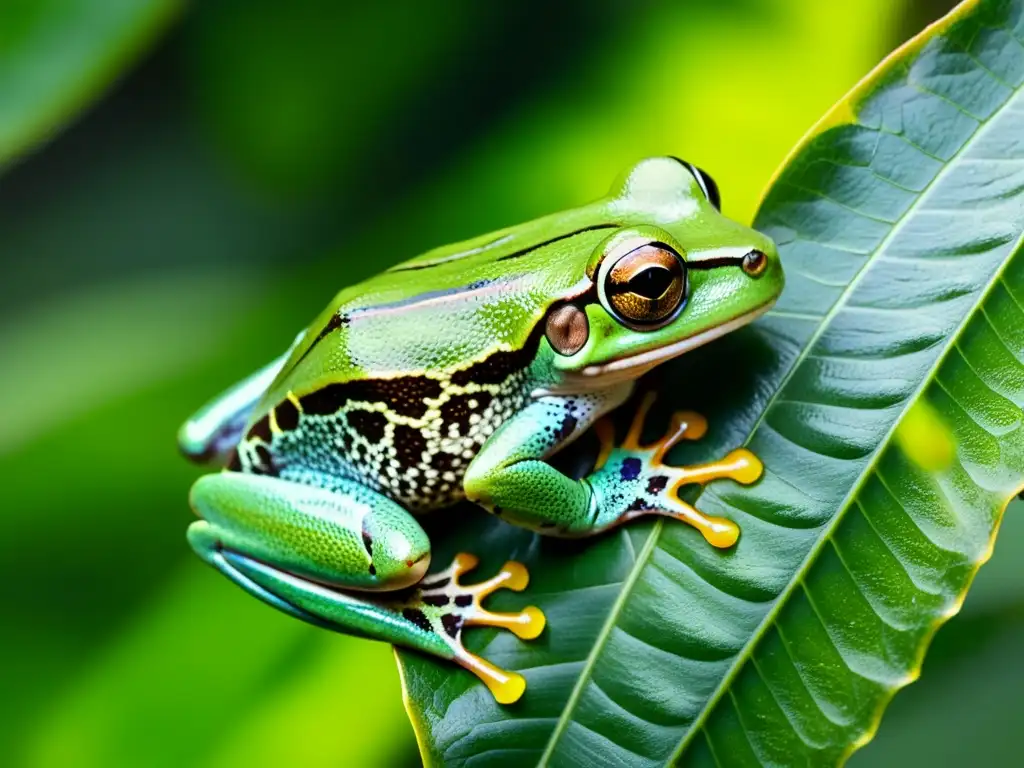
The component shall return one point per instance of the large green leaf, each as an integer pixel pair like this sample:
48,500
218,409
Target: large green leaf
901,331
57,55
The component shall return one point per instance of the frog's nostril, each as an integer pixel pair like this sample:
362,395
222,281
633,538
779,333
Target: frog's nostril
418,568
754,263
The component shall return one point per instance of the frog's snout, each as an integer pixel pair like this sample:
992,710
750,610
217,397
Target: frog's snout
763,265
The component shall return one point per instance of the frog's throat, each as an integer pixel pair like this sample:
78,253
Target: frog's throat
635,366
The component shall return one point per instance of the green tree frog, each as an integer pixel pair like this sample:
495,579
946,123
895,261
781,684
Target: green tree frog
454,376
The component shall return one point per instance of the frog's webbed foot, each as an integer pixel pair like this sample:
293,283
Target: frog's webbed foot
632,480
449,606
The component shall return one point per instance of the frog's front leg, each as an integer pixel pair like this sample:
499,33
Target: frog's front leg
629,480
350,560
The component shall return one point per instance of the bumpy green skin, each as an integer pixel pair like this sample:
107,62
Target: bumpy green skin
433,382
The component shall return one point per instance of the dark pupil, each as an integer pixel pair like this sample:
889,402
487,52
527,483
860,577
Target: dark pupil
651,283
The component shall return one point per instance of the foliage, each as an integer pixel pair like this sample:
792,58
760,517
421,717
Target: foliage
56,54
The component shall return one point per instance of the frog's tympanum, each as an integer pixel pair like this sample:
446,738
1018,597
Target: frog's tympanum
454,376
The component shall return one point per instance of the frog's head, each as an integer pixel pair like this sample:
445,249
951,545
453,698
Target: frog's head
683,275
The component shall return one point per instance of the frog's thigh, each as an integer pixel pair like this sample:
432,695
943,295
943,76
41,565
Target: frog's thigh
352,538
304,549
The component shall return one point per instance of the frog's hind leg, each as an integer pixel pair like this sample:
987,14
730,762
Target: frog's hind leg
429,617
634,481
351,560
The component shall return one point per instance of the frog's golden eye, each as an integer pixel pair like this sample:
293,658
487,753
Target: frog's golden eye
645,287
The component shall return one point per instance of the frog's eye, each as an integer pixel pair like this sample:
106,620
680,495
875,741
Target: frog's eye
646,286
707,184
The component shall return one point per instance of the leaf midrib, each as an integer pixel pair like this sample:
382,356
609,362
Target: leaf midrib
783,597
602,637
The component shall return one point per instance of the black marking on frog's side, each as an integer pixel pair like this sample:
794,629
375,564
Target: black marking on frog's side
630,469
452,624
260,430
463,600
438,601
657,484
286,415
409,438
443,461
346,442
404,488
404,395
419,618
369,424
265,462
409,445
459,408
498,366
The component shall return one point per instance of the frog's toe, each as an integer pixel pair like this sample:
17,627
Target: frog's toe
748,468
461,605
717,531
525,624
739,465
506,687
512,575
446,589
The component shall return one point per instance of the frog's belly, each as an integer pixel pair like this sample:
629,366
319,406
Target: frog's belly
416,456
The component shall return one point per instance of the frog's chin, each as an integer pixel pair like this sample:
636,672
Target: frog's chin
633,367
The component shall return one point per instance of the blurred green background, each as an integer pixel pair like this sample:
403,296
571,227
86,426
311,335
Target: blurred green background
184,186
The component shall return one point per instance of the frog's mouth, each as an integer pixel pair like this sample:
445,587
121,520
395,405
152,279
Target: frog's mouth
634,366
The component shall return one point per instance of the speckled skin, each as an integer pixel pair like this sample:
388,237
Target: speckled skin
438,380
